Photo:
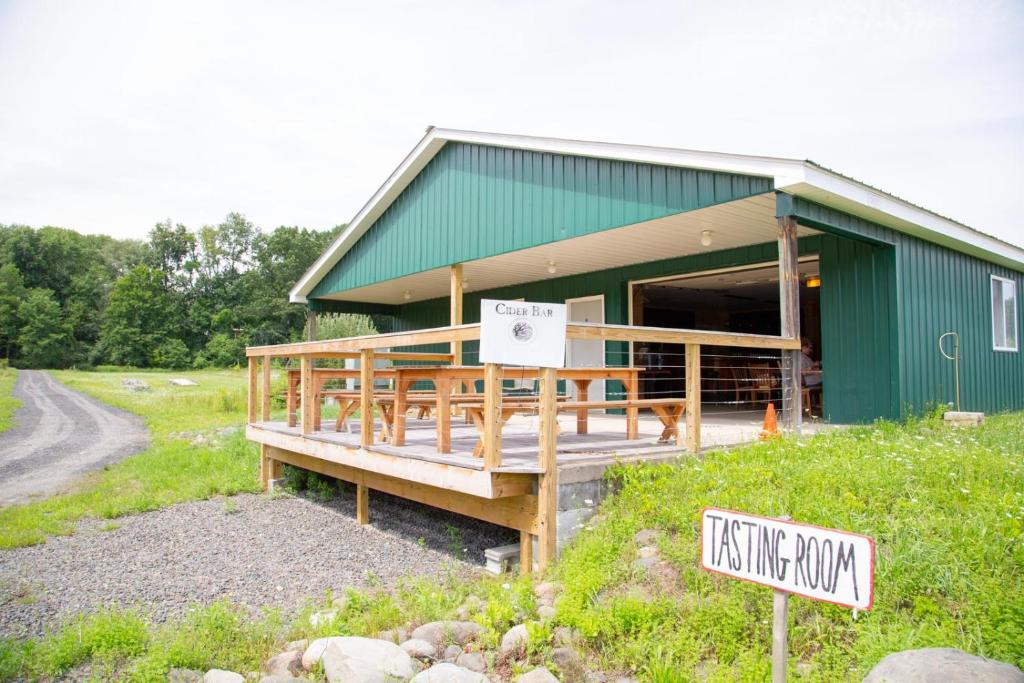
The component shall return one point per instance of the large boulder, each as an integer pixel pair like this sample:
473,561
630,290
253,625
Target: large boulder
539,675
474,661
284,664
515,639
222,676
441,633
350,659
942,665
184,676
446,672
421,649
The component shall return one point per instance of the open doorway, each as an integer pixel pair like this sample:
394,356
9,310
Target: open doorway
734,300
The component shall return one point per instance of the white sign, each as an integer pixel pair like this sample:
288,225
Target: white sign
522,333
812,561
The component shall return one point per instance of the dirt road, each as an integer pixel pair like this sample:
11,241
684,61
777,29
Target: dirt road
58,435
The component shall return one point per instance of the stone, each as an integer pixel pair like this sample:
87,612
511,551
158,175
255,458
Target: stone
515,639
547,592
284,664
416,647
313,652
222,676
625,679
646,537
326,618
954,418
451,653
564,636
340,603
297,646
546,612
442,632
941,664
501,558
394,635
568,662
138,385
538,675
474,661
182,382
184,676
648,551
280,679
350,659
645,563
446,672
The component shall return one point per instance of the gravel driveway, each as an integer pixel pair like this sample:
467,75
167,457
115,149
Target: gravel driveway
58,435
255,550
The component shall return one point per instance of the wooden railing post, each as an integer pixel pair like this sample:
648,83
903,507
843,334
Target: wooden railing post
265,391
253,396
547,493
492,416
789,312
693,397
306,389
366,397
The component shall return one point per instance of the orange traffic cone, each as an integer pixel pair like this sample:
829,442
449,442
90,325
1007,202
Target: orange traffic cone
771,427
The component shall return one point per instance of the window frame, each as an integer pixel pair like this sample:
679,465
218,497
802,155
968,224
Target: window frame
1004,281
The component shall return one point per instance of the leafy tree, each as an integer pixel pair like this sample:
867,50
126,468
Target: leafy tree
172,354
12,293
138,319
340,325
45,339
222,351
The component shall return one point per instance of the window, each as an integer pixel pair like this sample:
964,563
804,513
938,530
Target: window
1004,314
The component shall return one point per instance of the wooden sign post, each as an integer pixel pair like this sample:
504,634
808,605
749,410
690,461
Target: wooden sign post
802,559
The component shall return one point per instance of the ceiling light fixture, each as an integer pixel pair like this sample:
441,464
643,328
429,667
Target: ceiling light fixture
552,268
407,295
814,281
705,238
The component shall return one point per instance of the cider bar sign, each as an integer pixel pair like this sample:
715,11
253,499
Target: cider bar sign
522,333
815,562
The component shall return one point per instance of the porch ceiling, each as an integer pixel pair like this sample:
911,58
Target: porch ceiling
733,224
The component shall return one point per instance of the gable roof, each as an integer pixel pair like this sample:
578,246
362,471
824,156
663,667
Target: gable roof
794,176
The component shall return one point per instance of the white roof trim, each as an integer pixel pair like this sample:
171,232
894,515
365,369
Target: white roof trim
794,176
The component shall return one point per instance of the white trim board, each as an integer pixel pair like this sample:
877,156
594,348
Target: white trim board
793,176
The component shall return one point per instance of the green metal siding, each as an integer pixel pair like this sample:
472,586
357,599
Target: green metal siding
474,201
937,290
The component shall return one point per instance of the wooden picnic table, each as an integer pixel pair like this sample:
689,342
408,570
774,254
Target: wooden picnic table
445,377
320,376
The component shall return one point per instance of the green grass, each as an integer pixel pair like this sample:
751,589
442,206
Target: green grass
171,470
8,404
945,507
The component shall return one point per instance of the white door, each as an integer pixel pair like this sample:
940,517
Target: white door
586,353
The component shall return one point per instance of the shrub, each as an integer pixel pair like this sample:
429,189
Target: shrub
222,351
172,354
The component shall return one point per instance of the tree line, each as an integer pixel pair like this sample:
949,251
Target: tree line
182,298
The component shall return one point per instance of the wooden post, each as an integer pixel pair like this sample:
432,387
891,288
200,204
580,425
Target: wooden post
306,387
362,504
253,387
547,498
456,311
269,467
780,625
265,392
525,552
366,397
310,325
492,416
789,311
693,398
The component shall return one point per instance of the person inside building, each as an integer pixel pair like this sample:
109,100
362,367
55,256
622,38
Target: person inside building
810,369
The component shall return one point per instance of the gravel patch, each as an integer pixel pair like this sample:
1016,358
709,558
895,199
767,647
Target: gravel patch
255,550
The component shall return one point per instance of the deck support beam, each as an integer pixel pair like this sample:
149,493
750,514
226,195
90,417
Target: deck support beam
692,362
456,311
269,467
492,416
366,397
525,552
547,498
362,504
789,311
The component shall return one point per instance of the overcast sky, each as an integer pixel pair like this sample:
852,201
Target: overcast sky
116,115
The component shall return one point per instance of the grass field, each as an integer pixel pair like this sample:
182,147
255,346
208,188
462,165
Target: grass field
8,404
174,468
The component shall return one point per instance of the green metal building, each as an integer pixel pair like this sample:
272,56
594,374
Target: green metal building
677,238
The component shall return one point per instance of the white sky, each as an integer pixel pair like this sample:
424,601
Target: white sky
116,115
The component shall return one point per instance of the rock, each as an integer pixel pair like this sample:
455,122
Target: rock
474,661
222,676
451,653
138,385
625,679
417,647
646,537
281,679
297,646
516,638
546,612
449,673
182,382
595,677
547,592
568,662
538,675
318,619
340,603
395,635
284,664
645,563
942,664
565,636
441,632
350,659
313,652
184,676
648,551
